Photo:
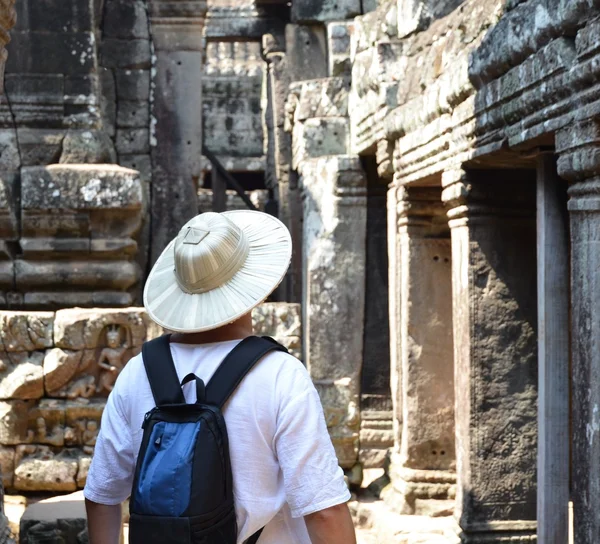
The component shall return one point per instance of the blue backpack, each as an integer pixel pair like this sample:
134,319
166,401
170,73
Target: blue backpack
182,490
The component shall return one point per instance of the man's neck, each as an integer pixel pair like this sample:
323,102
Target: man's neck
237,330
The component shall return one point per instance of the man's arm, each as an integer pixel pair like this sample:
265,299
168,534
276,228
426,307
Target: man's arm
104,523
330,526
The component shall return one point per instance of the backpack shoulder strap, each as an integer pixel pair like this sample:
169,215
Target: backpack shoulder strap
236,365
161,372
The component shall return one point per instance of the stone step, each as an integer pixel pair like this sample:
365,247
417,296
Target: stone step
58,519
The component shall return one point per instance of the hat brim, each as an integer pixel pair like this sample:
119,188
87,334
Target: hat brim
269,256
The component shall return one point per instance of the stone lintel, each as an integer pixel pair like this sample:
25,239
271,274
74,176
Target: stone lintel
420,207
177,24
484,195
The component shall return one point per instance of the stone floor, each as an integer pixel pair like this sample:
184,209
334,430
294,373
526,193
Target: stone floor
375,522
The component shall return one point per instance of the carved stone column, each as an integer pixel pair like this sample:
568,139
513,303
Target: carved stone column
492,220
578,147
279,158
423,468
554,440
394,282
335,225
176,125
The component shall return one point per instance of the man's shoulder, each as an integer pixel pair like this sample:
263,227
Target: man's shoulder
285,372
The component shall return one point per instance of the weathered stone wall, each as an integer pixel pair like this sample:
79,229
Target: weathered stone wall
56,371
104,95
232,87
443,87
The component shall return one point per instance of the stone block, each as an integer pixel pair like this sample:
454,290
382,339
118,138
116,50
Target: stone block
141,163
60,519
108,101
26,331
60,366
77,329
21,375
277,319
342,415
9,228
39,469
85,461
132,114
120,53
81,89
125,19
133,84
320,137
26,422
78,187
40,146
323,98
413,15
82,422
339,38
79,226
47,423
7,466
63,53
311,11
95,374
54,16
87,147
306,52
9,156
91,278
133,141
14,422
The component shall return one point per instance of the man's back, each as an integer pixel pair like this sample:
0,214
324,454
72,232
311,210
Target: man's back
284,466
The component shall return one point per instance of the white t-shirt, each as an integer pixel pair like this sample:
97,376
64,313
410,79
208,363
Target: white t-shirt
283,462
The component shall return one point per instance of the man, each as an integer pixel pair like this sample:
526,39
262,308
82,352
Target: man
286,476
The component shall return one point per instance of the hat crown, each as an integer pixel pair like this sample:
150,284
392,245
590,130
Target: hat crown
209,250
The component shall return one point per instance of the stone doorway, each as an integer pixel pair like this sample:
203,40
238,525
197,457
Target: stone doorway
376,435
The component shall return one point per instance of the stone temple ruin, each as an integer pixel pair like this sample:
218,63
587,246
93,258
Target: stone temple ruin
437,165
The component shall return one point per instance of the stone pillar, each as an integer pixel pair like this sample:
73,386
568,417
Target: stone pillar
176,124
394,282
423,465
553,352
279,158
376,435
492,220
579,163
335,224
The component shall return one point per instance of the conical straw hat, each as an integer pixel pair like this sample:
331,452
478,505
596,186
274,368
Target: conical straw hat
219,267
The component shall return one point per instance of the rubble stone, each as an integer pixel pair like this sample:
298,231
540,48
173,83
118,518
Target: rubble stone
38,469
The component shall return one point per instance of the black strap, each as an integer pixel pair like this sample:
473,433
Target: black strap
161,372
200,387
254,538
236,365
164,381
